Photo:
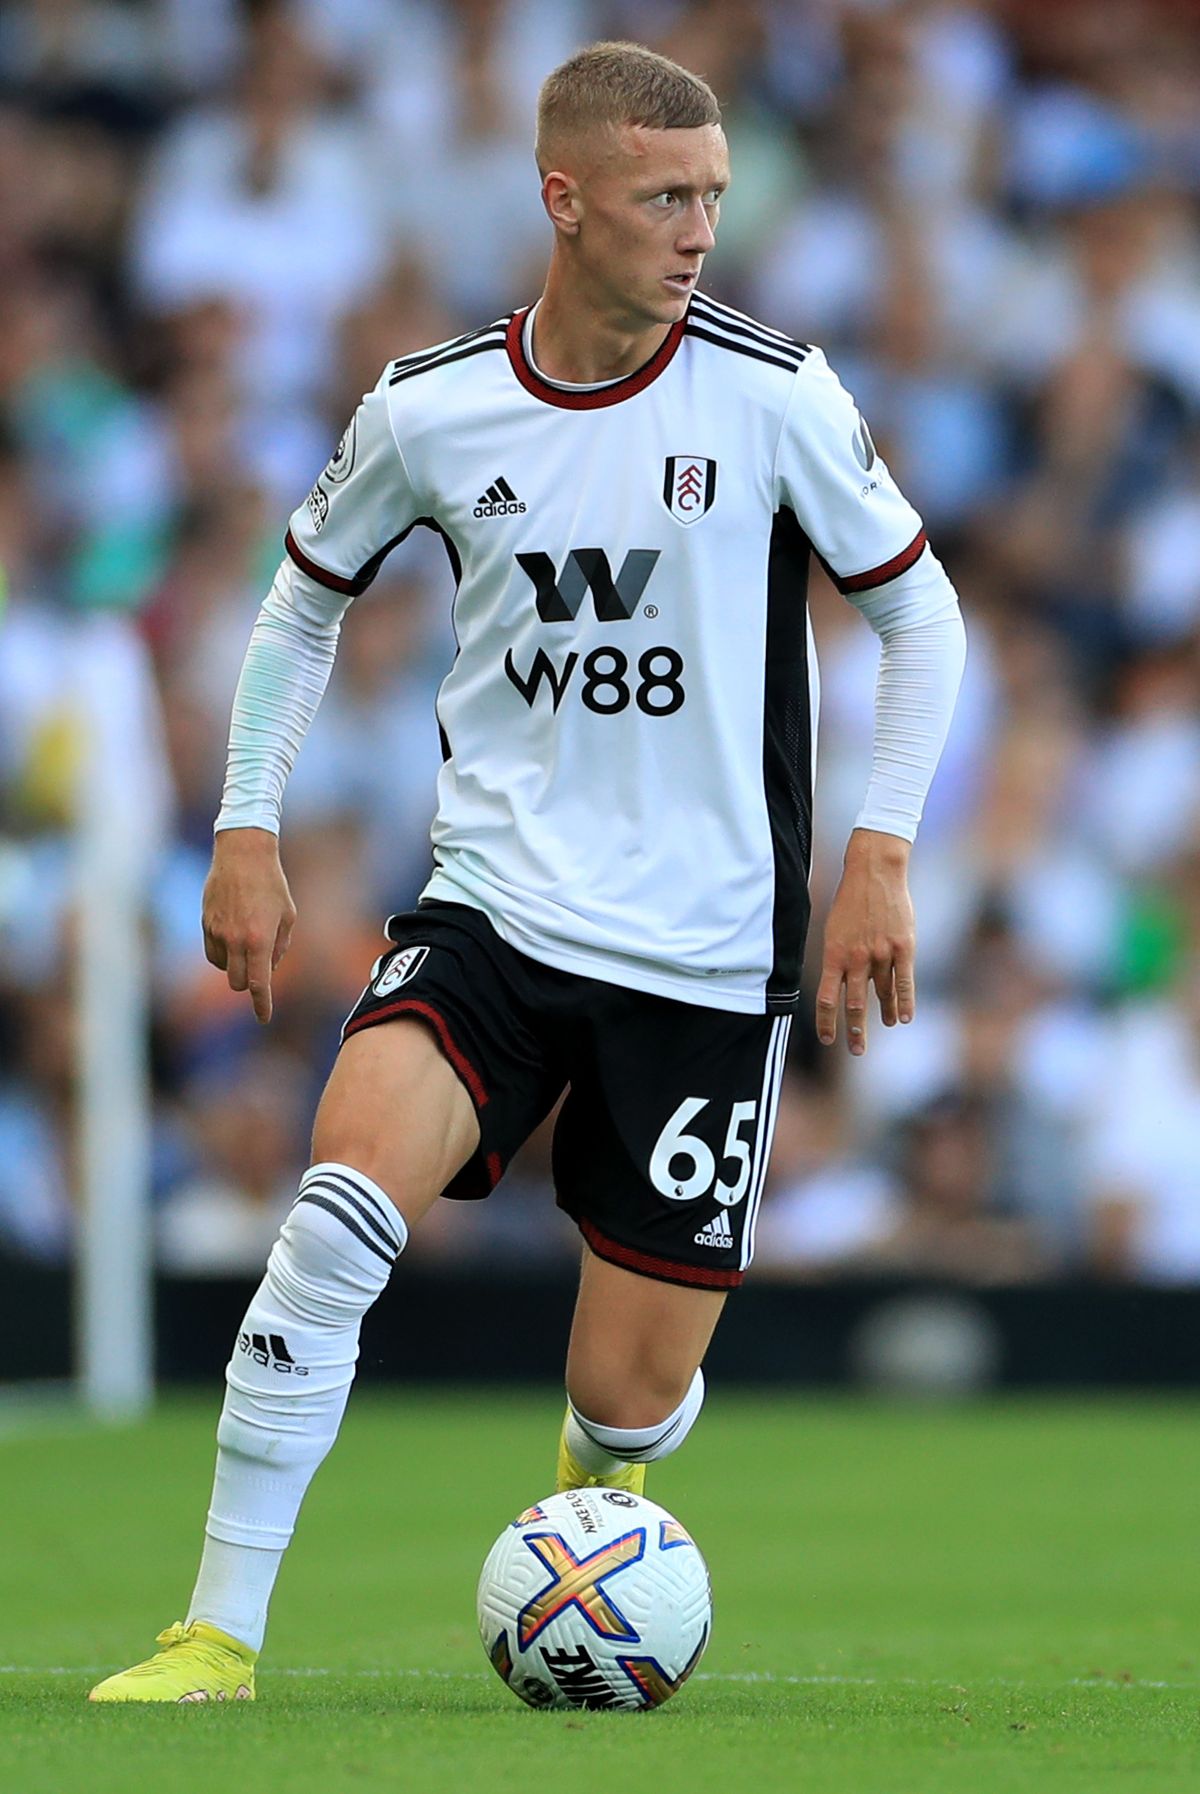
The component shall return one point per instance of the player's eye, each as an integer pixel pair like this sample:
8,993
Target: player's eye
663,200
713,196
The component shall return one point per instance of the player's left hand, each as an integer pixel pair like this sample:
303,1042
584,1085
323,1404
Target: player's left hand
870,938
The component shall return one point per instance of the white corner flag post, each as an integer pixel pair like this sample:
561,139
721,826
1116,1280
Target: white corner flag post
118,832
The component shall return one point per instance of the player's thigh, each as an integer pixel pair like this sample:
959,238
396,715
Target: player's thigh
636,1343
395,1109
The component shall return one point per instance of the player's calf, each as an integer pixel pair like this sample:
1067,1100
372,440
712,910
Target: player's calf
591,1453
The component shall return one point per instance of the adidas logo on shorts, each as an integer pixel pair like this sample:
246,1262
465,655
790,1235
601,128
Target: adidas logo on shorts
718,1232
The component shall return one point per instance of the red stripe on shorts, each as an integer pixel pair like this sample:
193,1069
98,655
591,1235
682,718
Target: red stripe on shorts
668,1270
454,1053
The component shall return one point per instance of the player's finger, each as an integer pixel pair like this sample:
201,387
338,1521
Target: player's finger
883,979
214,950
827,1005
235,967
856,1009
283,940
258,982
906,985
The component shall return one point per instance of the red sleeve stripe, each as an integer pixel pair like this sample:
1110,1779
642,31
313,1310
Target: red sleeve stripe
879,576
335,581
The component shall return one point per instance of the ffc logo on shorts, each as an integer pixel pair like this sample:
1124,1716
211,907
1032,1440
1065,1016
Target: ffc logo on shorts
399,970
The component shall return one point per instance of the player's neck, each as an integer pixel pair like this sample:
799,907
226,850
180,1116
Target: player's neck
577,341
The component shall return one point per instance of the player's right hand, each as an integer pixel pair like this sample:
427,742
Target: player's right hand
248,914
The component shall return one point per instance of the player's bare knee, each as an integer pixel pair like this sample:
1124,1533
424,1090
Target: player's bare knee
409,1171
340,1145
395,1109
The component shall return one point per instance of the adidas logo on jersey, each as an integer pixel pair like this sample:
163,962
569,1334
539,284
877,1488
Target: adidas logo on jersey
498,501
717,1232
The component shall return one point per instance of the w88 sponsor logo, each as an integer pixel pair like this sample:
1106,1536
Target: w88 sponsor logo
606,687
609,684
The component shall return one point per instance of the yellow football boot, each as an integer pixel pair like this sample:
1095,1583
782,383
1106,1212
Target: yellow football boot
197,1663
572,1475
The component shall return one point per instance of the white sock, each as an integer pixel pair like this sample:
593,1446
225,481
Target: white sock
233,1589
601,1449
288,1382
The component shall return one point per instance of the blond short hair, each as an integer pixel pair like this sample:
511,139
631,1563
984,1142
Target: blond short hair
614,84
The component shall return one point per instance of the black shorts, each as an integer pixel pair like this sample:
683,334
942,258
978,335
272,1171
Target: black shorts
660,1149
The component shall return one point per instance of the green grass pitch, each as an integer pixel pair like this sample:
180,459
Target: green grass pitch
908,1601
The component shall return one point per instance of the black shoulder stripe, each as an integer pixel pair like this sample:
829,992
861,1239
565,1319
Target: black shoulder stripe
732,312
736,348
455,342
422,356
781,345
441,361
738,320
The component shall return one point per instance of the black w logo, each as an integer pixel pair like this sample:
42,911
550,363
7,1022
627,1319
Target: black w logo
587,570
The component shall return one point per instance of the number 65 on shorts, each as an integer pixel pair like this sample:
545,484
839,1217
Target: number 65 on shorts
661,1145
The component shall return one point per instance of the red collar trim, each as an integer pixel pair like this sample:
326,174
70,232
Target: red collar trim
603,395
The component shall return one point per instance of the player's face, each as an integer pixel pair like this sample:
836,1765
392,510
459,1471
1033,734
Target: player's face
648,211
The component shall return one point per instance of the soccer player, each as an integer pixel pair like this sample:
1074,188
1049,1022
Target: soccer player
630,480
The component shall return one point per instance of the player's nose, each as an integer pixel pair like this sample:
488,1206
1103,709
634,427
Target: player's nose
696,236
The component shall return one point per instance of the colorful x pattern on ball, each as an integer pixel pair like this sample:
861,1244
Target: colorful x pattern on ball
576,1582
656,1685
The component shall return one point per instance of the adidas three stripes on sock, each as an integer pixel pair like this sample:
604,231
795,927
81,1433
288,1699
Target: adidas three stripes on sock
288,1382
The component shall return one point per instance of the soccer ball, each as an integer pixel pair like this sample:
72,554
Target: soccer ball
594,1598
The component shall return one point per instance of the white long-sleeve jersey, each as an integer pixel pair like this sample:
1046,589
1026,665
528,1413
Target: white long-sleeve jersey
629,724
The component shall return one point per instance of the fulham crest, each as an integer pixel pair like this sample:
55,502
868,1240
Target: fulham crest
400,968
689,486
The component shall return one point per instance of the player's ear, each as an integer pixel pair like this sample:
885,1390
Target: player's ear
560,196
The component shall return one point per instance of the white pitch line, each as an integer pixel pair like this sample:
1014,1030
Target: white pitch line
767,1677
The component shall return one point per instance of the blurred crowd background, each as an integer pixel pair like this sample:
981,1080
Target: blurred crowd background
219,218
